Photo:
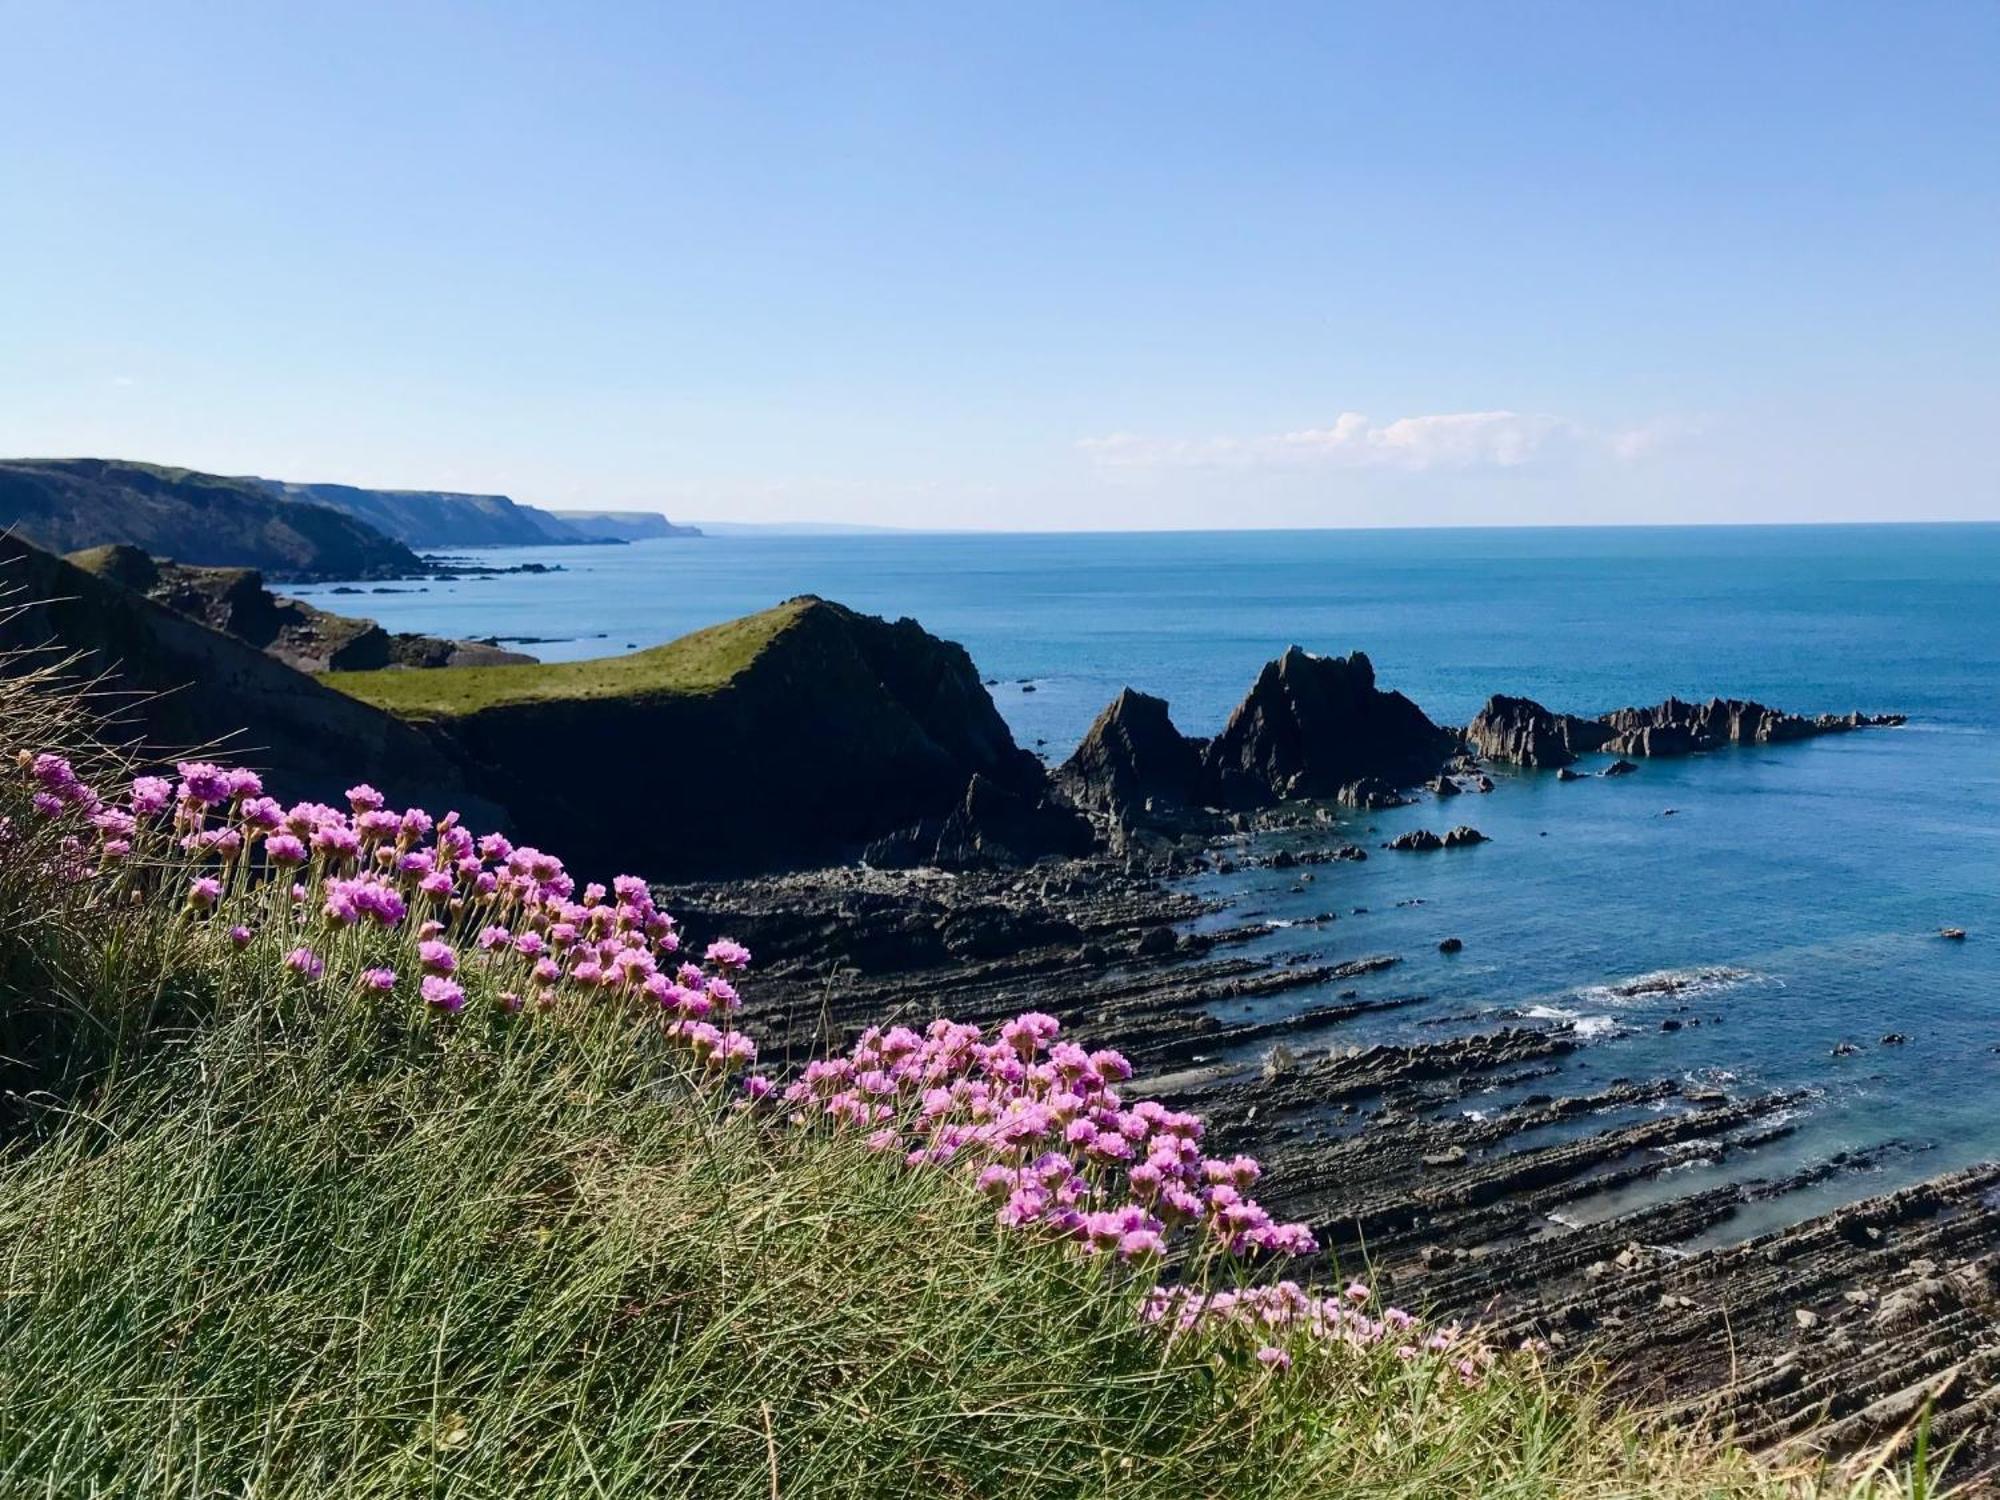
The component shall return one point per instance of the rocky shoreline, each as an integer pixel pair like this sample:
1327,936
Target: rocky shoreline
1831,1331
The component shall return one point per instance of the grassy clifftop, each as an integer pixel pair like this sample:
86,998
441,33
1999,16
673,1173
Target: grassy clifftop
694,665
793,736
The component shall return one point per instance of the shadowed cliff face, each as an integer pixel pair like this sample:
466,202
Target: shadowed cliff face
187,685
1315,724
841,728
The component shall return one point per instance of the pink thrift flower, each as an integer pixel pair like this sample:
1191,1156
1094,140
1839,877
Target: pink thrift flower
150,795
725,953
364,798
1273,1358
284,849
378,979
239,937
306,962
443,994
437,958
204,893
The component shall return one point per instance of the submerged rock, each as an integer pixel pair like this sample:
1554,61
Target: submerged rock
1620,768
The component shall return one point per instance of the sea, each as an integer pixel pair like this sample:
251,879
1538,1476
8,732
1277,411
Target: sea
1789,898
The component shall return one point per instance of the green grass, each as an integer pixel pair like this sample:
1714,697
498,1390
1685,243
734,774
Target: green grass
261,1239
695,664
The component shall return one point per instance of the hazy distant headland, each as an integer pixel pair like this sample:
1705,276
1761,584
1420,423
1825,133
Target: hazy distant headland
283,528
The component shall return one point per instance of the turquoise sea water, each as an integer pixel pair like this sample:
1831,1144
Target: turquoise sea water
1817,874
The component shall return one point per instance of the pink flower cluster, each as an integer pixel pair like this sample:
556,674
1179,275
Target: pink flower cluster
364,895
1282,1316
1041,1124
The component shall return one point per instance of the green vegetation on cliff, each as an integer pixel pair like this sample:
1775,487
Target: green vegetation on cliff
790,737
693,665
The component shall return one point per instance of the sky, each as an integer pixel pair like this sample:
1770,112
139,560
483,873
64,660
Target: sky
1025,266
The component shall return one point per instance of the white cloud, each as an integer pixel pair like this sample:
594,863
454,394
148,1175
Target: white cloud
1447,440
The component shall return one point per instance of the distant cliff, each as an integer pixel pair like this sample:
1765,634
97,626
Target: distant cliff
435,519
67,504
624,525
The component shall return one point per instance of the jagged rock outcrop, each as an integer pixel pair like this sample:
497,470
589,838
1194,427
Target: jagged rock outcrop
1521,732
1678,728
1312,725
1132,761
176,684
235,601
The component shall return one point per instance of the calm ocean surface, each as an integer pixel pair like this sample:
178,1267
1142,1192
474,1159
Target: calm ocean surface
1817,873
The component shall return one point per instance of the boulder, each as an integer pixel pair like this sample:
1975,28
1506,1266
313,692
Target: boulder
1463,837
1619,768
1313,725
1416,841
1443,786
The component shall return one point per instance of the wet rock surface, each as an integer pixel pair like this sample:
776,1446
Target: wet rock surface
1523,1217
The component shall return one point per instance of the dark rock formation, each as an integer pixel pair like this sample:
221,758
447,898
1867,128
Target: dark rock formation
1619,768
837,729
1523,733
1677,728
1132,760
71,503
1422,840
235,601
997,826
192,686
1452,945
1312,725
1443,786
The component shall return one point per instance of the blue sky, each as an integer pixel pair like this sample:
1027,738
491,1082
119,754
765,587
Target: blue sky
1026,265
